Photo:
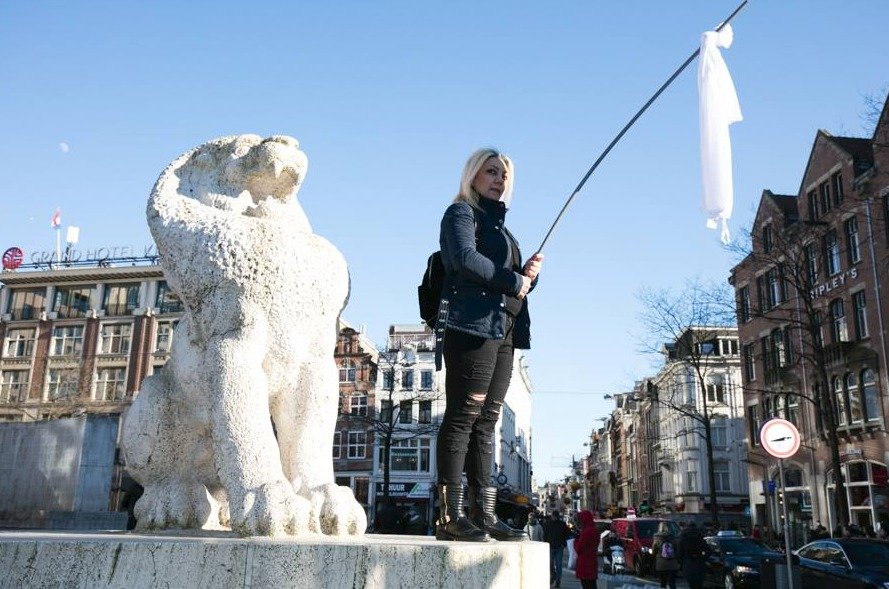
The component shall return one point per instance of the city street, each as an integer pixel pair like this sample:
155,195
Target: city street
569,581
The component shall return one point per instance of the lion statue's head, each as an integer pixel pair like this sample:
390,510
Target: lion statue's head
238,173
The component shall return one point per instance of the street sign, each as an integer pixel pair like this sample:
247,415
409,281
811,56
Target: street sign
780,438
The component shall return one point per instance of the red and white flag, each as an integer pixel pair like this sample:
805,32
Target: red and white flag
56,220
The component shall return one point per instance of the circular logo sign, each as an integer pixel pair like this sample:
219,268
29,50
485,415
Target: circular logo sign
780,438
13,258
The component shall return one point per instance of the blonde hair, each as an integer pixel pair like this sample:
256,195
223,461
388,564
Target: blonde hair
470,170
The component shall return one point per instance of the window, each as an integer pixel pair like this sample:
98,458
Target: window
115,338
385,410
838,329
389,379
812,263
67,340
749,362
854,396
405,411
357,446
337,443
812,200
721,476
715,392
776,288
766,238
780,357
718,432
26,303
824,197
852,250
840,397
744,304
871,397
836,183
19,343
691,476
164,339
407,379
831,253
121,299
111,384
347,371
768,357
761,300
859,306
425,379
358,405
425,415
818,336
13,386
409,455
791,408
72,302
754,423
167,301
62,384
729,347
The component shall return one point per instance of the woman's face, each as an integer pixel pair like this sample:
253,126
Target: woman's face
490,182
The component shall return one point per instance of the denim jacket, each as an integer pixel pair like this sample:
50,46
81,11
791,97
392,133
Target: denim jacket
478,273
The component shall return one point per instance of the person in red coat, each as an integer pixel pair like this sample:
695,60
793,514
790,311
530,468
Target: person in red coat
587,545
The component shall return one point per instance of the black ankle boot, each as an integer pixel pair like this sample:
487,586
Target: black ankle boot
482,503
452,522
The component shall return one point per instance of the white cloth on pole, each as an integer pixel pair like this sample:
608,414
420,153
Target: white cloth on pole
719,108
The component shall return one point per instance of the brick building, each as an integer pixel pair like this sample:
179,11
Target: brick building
812,308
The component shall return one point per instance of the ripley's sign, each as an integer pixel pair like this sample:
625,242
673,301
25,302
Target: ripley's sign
835,282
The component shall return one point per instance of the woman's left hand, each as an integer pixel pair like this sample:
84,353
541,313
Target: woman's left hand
533,265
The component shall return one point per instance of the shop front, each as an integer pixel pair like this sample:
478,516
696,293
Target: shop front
412,503
867,492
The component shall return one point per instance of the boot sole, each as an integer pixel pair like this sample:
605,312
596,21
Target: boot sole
449,538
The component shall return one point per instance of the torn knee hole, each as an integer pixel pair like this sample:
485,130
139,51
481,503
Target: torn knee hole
477,398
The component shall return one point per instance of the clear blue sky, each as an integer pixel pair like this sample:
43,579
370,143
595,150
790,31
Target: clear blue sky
388,99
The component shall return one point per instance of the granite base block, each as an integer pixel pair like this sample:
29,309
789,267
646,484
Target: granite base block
220,560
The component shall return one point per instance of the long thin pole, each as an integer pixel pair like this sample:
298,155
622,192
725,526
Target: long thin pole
627,128
786,526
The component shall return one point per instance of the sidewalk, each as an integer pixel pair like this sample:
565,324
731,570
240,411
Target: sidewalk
569,581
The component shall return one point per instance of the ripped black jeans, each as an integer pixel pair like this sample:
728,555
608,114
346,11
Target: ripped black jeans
478,375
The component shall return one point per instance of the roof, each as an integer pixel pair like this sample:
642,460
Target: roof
860,149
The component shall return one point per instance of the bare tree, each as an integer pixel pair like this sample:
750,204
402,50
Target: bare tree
396,419
689,323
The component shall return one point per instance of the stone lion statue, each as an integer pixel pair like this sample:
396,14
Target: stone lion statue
236,429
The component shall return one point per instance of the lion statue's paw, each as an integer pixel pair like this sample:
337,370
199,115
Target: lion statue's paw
274,509
176,505
337,511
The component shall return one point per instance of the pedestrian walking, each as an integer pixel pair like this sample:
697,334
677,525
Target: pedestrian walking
586,545
555,533
692,549
666,564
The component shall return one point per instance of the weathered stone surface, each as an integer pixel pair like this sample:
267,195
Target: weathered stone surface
262,294
133,561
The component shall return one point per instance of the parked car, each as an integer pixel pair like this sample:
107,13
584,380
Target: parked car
637,535
603,526
734,561
842,563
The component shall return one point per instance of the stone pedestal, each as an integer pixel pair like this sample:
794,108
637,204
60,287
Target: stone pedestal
221,560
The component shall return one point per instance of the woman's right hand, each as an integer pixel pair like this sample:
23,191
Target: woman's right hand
526,286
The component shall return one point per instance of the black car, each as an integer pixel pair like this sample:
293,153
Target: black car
840,563
734,561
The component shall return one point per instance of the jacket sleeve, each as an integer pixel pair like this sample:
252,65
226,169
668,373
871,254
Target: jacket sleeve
458,247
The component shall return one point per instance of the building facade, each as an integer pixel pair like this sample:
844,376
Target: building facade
811,308
78,342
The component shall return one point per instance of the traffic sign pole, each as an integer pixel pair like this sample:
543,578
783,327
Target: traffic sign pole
786,525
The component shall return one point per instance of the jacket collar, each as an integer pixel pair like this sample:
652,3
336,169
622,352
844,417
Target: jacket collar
495,208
